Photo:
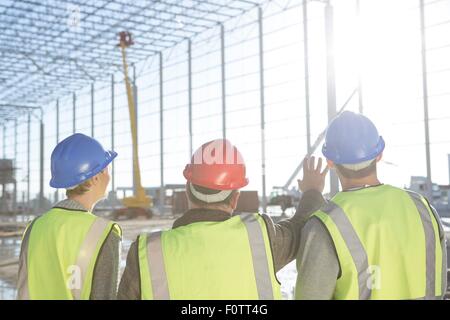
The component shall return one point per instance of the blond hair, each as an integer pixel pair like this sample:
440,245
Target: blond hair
79,189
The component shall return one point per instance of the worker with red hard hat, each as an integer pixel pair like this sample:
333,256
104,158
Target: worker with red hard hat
210,253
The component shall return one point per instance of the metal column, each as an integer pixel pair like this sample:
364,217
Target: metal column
137,126
190,96
92,109
57,121
74,102
4,141
161,132
113,179
449,171
425,95
331,81
15,167
306,78
360,85
222,51
263,106
57,140
41,164
4,156
28,159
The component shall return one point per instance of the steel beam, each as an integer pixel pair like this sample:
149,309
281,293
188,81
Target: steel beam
4,141
15,168
28,158
425,96
57,141
306,77
191,134
41,164
331,81
92,110
224,104
360,84
135,97
113,176
263,106
74,115
161,132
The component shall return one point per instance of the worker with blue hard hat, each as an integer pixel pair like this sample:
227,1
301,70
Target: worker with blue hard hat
372,240
68,252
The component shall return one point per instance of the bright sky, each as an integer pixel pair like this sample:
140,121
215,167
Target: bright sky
383,46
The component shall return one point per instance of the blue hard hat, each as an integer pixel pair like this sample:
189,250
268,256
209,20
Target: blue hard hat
352,138
76,159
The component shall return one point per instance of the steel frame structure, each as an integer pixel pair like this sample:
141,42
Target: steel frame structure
52,48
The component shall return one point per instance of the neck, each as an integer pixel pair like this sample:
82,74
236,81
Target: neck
226,209
86,200
359,183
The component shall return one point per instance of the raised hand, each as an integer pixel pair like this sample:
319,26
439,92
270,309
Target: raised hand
313,177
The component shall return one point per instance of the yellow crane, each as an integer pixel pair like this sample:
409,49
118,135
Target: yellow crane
140,203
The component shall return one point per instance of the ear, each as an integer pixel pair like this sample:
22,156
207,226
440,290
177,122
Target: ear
234,200
95,179
330,164
379,157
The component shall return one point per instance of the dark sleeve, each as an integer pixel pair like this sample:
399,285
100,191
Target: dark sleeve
129,287
285,235
443,242
106,271
317,263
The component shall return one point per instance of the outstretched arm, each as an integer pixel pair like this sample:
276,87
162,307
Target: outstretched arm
285,235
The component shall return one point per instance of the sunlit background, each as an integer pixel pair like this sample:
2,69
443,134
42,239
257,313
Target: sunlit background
377,49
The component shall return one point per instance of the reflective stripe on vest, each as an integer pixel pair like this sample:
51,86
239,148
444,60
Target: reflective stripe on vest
156,266
354,245
359,254
158,275
258,248
87,251
430,242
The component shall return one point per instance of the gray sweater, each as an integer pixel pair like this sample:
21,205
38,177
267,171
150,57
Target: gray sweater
284,239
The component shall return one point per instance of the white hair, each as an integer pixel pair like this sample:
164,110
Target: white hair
358,166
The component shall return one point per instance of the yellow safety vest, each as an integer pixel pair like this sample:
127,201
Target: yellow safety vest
58,254
209,260
388,244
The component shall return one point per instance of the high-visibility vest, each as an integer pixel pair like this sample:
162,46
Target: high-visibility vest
58,255
231,259
388,244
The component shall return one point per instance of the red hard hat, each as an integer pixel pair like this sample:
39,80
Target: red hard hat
217,165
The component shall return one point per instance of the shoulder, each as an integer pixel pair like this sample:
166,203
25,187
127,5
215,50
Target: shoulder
116,230
267,220
315,227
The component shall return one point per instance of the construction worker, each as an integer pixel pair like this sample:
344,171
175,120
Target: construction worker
211,253
372,240
69,253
